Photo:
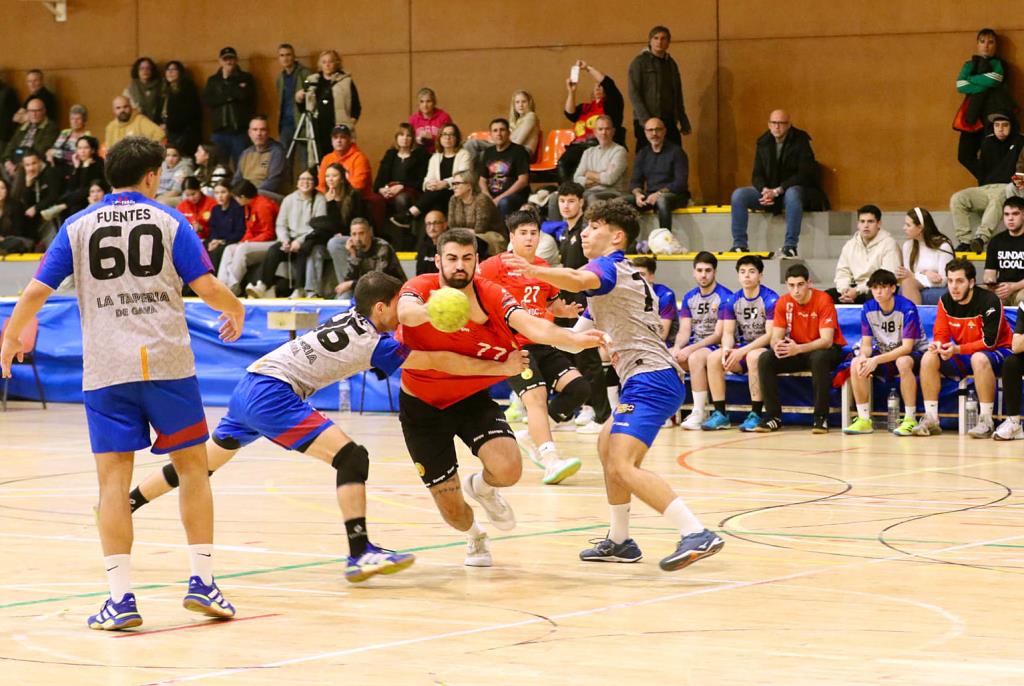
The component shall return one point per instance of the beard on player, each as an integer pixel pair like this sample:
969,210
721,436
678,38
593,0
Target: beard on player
457,278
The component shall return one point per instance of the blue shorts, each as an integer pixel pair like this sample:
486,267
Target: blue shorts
889,370
959,366
646,401
265,406
119,416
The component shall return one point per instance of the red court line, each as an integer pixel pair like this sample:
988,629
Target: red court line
194,626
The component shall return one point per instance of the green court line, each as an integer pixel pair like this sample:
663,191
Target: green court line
301,565
843,538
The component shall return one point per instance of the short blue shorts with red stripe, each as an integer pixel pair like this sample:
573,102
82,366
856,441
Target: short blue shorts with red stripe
120,416
264,406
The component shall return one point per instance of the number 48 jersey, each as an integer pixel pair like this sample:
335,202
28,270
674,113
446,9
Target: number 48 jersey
129,256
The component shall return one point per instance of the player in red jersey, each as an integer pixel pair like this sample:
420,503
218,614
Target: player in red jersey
550,368
435,407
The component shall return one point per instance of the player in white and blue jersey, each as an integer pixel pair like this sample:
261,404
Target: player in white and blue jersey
745,336
622,304
668,308
700,332
130,256
892,343
271,401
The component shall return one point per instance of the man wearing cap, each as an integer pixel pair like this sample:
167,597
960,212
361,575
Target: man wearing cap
995,167
348,155
230,94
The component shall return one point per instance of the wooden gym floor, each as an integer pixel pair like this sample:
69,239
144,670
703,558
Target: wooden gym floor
848,560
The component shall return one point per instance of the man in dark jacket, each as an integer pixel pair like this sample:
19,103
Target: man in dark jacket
656,90
785,178
37,189
230,94
994,169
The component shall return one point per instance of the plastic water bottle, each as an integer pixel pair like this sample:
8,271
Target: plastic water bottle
892,406
972,410
344,396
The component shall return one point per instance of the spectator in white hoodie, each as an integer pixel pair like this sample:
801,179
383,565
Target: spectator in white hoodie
870,249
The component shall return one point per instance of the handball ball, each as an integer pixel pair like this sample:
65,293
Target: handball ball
448,309
662,242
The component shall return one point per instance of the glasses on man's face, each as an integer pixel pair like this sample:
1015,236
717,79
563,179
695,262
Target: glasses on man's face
778,123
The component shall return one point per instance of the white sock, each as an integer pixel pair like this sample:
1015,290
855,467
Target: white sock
475,530
480,486
911,411
613,396
548,452
987,409
864,411
618,531
201,557
700,401
119,571
931,409
681,518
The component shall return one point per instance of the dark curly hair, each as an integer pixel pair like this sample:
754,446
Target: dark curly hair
617,213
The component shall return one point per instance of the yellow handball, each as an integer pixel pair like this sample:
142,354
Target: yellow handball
448,309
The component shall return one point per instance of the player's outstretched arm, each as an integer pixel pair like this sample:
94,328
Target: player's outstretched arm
461,365
29,304
219,297
572,280
543,331
412,311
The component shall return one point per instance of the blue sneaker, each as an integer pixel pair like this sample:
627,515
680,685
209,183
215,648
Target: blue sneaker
749,424
376,561
116,616
207,600
607,550
692,548
716,422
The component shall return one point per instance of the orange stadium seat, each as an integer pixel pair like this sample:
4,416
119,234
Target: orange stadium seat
554,146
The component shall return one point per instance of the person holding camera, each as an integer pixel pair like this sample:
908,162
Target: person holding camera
331,99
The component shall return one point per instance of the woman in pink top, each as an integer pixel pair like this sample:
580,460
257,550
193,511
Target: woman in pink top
428,120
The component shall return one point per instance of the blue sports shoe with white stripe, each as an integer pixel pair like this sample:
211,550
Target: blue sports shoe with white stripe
749,424
115,616
376,561
691,548
207,600
607,550
716,422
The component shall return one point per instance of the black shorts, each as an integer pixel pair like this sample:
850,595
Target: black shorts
430,432
548,365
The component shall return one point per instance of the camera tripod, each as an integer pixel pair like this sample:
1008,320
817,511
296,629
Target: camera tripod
305,133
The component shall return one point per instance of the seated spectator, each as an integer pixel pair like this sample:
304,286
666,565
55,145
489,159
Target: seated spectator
442,167
344,204
181,111
785,177
98,190
365,254
523,123
981,81
227,223
399,178
745,336
36,90
331,99
435,224
173,173
505,177
805,336
602,167
660,175
867,251
668,309
470,208
260,215
1004,259
146,90
892,343
230,93
290,84
428,121
38,132
970,338
925,255
62,152
607,102
1013,368
656,90
263,163
346,153
128,122
12,223
88,168
196,207
209,168
700,332
996,166
293,230
37,187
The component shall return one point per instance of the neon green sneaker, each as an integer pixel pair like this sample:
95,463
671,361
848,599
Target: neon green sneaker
906,427
860,426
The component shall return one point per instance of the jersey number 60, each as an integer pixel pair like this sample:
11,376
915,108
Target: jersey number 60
115,257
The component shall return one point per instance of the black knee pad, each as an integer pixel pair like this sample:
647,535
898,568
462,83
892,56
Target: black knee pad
170,475
611,377
226,443
563,406
352,463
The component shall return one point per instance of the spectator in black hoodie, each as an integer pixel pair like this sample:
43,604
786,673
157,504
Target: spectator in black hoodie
230,94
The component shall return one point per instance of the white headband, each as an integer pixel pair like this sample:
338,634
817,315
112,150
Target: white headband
920,217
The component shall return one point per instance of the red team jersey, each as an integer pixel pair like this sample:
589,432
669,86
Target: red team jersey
493,340
533,294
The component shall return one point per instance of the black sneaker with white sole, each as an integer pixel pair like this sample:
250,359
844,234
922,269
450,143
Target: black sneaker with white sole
768,425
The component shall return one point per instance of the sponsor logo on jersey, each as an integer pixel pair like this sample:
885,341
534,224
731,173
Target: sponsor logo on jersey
624,408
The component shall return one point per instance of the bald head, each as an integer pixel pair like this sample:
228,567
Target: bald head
122,108
778,124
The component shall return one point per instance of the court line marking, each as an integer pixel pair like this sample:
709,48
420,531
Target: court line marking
200,625
542,620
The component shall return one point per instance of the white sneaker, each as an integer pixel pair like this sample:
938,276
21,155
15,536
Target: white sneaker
591,427
1009,430
478,552
313,295
528,448
297,294
499,512
561,469
256,290
694,421
928,426
584,416
983,429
